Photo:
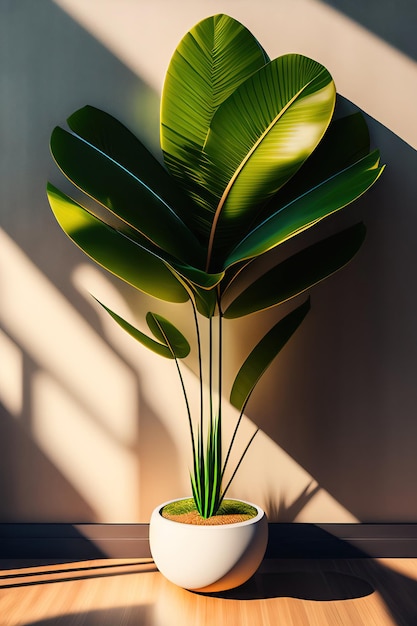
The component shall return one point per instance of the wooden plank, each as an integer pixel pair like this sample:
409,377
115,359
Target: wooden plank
291,592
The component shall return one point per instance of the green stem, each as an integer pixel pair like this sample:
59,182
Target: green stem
220,379
200,370
211,368
238,465
220,373
187,404
234,435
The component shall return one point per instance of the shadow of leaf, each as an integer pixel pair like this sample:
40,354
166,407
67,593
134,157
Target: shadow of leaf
284,512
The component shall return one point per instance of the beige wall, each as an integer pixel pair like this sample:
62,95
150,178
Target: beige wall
92,426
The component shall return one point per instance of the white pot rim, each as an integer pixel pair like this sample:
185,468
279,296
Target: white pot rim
212,527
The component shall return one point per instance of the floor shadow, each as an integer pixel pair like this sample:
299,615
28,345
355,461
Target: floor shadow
307,563
128,616
29,579
333,580
320,586
398,591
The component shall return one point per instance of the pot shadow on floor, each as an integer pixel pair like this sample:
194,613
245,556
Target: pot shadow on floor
321,585
332,578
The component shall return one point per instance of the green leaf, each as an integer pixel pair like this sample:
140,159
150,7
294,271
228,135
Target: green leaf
113,251
206,477
206,301
124,195
211,60
298,273
113,138
263,354
260,136
328,197
120,242
163,349
345,142
199,278
168,335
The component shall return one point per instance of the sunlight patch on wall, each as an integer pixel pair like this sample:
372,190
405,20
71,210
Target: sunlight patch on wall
86,398
268,474
286,491
81,400
103,472
46,326
159,387
367,70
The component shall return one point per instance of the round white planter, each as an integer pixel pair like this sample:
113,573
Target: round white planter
208,558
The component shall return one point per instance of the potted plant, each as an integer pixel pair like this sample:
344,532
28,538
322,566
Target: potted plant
253,156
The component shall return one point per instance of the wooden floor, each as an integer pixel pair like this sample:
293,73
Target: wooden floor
296,592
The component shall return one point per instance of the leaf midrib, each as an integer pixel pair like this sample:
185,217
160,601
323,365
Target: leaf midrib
240,168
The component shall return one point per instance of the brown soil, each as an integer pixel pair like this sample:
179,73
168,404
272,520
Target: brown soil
195,518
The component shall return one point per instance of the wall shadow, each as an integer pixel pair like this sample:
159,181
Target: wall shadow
50,67
393,22
340,398
28,478
284,511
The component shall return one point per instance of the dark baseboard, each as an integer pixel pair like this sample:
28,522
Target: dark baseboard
97,541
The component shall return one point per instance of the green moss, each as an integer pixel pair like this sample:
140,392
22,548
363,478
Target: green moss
227,507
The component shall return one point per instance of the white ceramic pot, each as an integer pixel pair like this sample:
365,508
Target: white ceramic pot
208,558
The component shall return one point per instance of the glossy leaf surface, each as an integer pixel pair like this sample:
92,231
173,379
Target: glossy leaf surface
176,347
260,137
113,138
263,354
122,193
327,198
168,335
115,252
346,142
298,273
211,60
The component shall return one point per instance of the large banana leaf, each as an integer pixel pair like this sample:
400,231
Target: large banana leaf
211,60
115,252
345,142
302,213
260,136
100,234
298,273
113,138
263,354
125,195
171,342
